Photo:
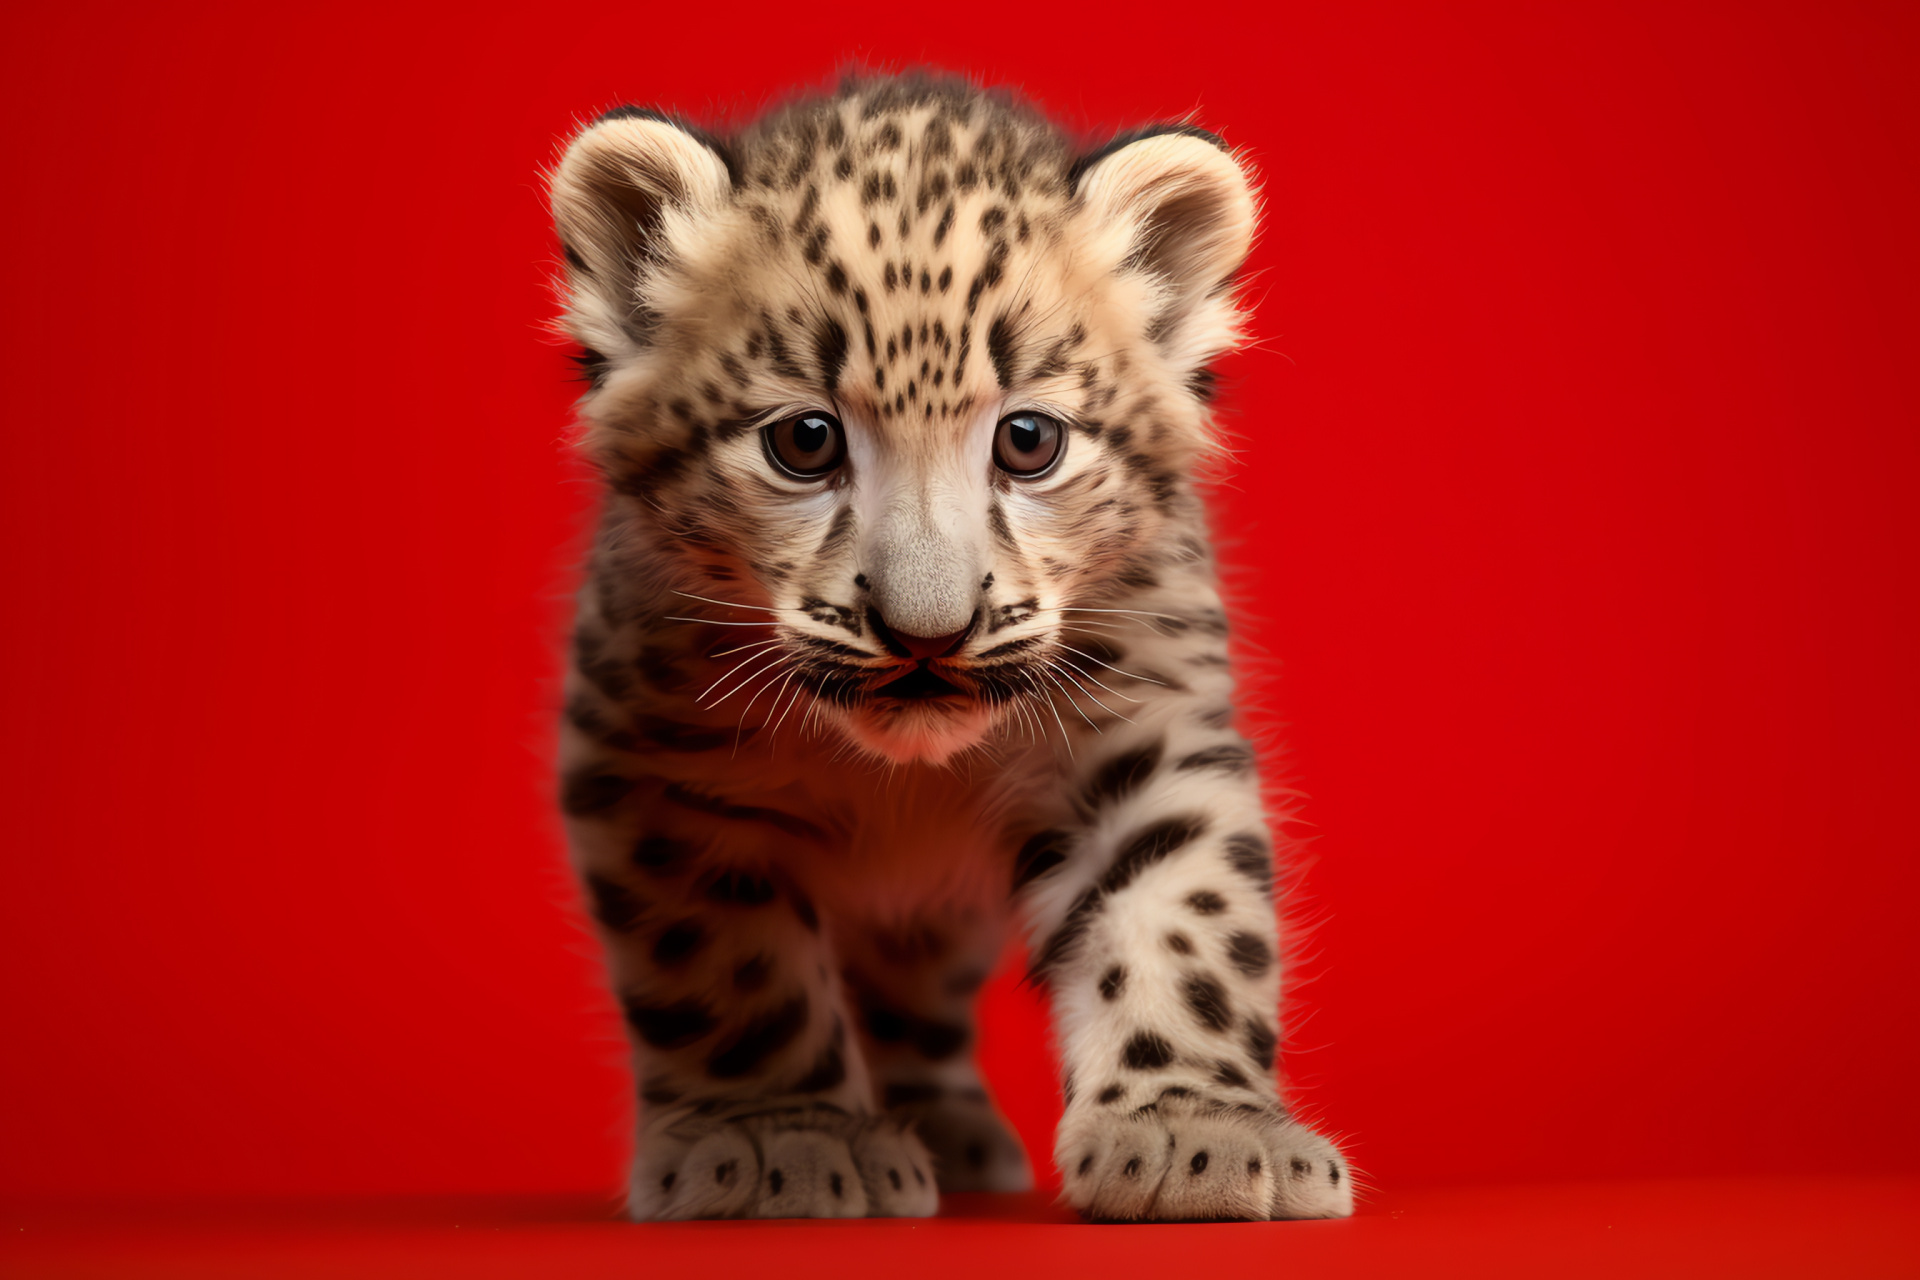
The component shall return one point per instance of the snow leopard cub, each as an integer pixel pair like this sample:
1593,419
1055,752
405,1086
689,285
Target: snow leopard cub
901,628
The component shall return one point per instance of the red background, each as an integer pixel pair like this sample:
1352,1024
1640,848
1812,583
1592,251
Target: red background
1575,519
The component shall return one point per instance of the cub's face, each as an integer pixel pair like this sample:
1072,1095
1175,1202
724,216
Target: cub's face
897,378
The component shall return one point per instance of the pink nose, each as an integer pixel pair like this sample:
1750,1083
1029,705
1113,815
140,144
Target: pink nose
932,646
902,644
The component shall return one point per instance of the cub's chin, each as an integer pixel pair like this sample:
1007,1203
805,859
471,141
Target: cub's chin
932,730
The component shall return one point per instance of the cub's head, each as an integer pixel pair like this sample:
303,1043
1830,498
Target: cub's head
904,375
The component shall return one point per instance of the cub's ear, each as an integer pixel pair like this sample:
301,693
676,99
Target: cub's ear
1186,202
611,193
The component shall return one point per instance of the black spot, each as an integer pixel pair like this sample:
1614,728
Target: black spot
1086,1163
668,1026
593,366
910,1093
1250,953
1000,350
1123,775
614,905
666,1183
1111,1093
1199,1162
1149,846
1227,1073
804,910
678,942
1333,1172
589,790
762,1037
1206,902
936,1041
1146,1051
1228,757
1247,853
661,855
835,1185
1039,855
1260,1043
740,887
893,1176
1113,983
674,736
753,974
775,1181
1180,944
1208,1000
977,1155
829,1070
682,794
723,1170
1131,1168
830,341
1078,920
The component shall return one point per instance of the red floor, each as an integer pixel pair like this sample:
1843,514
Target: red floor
1807,1227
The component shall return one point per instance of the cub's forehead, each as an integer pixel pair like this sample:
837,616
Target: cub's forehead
899,242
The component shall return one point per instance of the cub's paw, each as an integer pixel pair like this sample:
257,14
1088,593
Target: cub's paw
801,1162
973,1150
1191,1160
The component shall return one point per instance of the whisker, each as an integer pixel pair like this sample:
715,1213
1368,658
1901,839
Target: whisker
1071,700
733,604
729,672
1140,613
1066,739
742,648
1068,673
1109,666
764,686
715,622
753,675
792,702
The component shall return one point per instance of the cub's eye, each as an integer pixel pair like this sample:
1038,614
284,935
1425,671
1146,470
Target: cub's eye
807,446
1028,444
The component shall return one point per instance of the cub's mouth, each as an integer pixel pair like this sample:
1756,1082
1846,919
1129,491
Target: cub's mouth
921,684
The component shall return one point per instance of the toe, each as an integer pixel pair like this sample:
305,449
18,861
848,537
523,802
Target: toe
715,1178
1311,1178
895,1169
808,1173
1218,1170
1129,1161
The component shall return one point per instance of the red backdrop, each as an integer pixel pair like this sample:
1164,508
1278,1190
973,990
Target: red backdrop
1574,526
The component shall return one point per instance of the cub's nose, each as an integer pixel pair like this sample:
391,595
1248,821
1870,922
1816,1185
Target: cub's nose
904,644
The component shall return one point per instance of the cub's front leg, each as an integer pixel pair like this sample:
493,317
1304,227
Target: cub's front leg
755,1101
1155,932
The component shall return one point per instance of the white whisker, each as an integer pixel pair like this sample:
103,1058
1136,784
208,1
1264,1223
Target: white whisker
1071,700
1065,738
715,622
1068,673
772,664
733,604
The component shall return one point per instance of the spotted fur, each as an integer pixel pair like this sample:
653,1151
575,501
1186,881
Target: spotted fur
827,739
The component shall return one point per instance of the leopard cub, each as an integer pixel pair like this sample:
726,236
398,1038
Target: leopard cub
901,629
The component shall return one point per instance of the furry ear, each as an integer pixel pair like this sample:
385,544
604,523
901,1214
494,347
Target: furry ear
1188,204
611,193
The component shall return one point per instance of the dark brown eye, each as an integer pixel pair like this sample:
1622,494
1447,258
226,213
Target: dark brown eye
807,446
1028,444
